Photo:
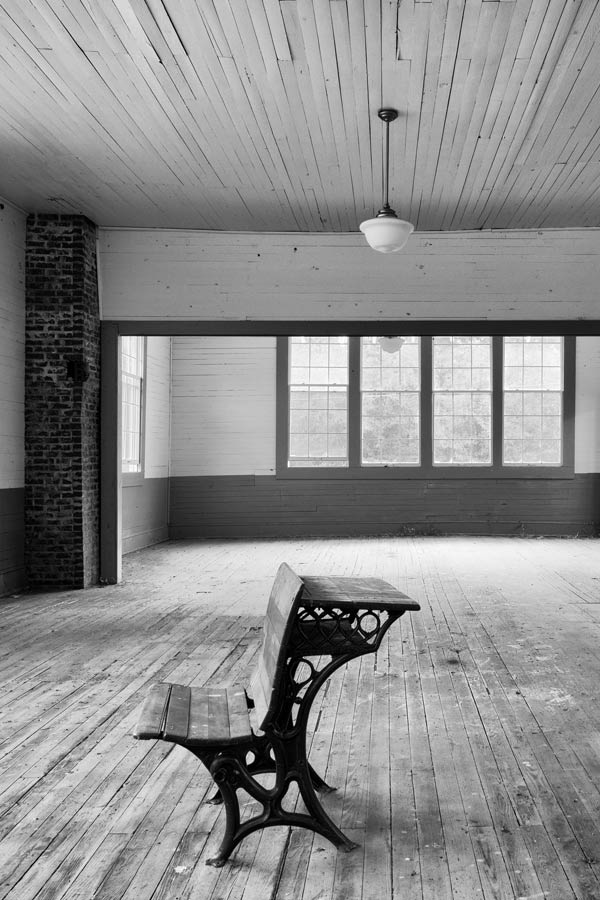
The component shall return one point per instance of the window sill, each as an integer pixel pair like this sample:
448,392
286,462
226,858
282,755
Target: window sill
420,473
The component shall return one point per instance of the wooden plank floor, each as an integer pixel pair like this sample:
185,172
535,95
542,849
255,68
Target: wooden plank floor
466,754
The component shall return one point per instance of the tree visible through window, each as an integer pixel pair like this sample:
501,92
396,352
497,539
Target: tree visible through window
462,401
429,405
390,405
132,380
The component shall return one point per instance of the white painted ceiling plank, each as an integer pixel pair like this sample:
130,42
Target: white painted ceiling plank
434,103
577,47
287,130
498,113
278,33
418,57
319,45
545,38
472,109
357,111
348,130
486,72
260,113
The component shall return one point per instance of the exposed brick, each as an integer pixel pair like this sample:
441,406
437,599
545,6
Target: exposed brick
62,424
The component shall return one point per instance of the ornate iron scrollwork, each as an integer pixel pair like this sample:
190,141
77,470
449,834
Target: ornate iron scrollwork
333,632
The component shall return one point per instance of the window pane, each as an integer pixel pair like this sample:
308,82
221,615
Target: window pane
132,371
390,380
532,416
462,401
318,401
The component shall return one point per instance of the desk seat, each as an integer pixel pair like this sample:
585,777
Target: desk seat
195,717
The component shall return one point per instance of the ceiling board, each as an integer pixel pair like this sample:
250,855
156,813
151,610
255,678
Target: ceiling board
262,114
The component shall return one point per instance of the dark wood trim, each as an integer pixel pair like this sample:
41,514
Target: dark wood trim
426,401
282,404
570,368
110,457
276,328
497,397
354,404
12,540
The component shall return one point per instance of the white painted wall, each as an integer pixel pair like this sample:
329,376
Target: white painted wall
12,346
157,422
223,406
223,416
587,405
206,276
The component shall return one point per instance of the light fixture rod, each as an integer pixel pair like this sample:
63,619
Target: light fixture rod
386,179
387,115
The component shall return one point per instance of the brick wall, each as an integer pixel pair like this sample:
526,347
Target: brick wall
62,402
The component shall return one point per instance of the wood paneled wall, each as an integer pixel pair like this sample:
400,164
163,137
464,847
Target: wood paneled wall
587,405
12,394
223,413
223,423
178,276
145,514
223,448
158,407
237,506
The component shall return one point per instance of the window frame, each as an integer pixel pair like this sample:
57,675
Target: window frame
426,470
131,479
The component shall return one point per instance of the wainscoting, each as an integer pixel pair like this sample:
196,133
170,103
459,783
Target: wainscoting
12,540
145,507
242,506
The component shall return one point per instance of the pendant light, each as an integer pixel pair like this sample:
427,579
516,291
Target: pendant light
386,232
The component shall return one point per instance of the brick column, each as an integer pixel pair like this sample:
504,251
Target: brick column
62,402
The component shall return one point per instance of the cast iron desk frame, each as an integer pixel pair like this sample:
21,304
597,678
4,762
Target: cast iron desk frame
338,619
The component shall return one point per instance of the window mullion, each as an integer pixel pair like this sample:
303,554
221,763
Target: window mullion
354,403
497,400
568,418
282,416
426,402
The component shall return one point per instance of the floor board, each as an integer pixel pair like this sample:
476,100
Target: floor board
466,754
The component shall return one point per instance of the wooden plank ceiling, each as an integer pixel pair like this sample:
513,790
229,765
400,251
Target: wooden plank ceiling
261,115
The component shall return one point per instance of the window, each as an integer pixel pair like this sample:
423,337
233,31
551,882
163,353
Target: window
390,378
533,386
132,397
402,406
462,401
318,401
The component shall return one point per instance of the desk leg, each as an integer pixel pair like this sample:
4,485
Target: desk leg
317,782
229,770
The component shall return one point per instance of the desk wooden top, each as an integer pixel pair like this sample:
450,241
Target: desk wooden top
354,593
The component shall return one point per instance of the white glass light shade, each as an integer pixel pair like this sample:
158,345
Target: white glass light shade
386,233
